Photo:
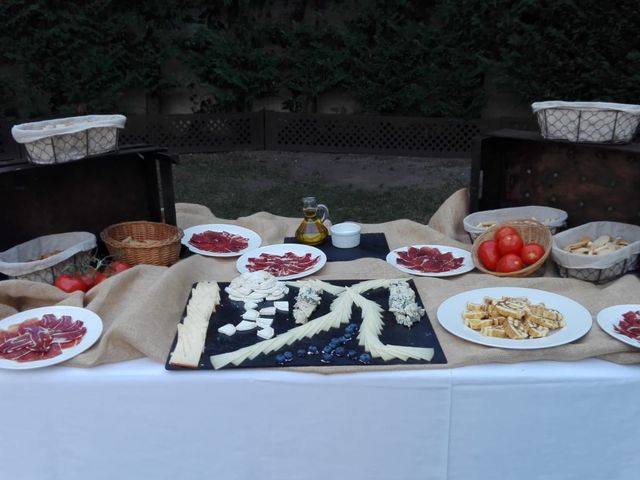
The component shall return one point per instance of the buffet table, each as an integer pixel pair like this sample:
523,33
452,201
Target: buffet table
557,413
135,420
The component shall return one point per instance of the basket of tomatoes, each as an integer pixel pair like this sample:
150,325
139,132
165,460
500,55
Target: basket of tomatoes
513,249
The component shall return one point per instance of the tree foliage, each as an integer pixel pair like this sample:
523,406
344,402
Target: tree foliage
413,57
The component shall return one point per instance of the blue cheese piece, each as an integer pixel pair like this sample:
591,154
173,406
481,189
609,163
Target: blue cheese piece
307,301
402,303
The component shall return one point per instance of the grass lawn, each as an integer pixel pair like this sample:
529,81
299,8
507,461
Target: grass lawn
362,188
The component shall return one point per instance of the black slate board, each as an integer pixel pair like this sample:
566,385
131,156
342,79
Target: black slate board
372,245
421,334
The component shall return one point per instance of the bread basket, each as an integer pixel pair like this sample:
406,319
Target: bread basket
143,242
597,268
45,258
64,139
531,231
595,122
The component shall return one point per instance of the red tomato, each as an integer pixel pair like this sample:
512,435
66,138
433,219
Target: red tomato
531,253
88,278
510,244
509,263
118,266
68,283
504,231
488,254
100,277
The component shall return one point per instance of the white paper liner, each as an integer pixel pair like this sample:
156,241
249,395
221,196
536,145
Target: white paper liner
553,218
31,132
22,259
629,232
605,122
621,107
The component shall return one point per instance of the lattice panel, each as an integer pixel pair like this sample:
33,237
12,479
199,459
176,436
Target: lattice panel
360,134
192,133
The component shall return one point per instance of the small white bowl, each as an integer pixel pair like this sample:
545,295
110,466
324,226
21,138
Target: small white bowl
345,235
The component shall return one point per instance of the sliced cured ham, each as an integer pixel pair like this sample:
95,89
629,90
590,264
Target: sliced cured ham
39,339
428,260
219,242
282,265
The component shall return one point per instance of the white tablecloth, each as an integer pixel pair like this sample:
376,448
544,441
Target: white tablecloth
134,420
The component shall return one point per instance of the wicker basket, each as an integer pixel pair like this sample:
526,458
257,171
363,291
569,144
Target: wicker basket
601,268
530,231
143,242
45,258
554,218
596,122
64,139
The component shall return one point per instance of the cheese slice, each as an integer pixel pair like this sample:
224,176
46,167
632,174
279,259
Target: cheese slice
192,332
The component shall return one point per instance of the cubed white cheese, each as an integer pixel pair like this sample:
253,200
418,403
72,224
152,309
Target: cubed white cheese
264,322
228,329
245,325
268,311
265,333
250,315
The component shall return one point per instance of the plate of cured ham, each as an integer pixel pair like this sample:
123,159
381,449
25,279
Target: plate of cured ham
431,260
220,240
622,322
46,336
285,261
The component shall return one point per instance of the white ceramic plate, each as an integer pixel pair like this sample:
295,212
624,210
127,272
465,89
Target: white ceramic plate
610,316
91,320
254,239
281,249
467,264
578,319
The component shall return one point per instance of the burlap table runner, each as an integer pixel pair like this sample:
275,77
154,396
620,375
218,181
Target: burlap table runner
141,307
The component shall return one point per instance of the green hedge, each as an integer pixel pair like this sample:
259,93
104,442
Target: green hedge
432,58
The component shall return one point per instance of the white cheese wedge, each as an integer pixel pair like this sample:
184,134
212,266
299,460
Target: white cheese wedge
250,305
266,333
245,325
228,329
268,311
276,296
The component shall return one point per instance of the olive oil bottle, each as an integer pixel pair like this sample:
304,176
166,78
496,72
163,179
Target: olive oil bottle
312,230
